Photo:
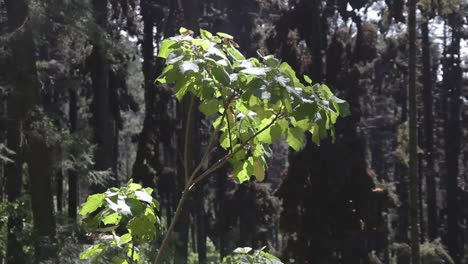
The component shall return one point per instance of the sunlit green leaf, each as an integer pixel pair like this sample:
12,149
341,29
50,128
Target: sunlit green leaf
295,138
95,252
112,219
210,107
92,203
224,35
166,48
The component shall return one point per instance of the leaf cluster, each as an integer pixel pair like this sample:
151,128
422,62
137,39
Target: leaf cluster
246,255
255,101
122,218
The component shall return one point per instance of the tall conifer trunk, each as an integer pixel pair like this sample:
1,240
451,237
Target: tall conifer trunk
413,154
22,109
104,124
428,132
452,86
73,187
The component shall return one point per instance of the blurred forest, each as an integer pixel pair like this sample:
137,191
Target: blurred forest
80,111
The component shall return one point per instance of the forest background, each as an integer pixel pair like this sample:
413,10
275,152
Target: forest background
80,111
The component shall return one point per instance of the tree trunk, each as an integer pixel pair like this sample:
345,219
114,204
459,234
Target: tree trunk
73,190
40,168
452,82
26,98
413,130
17,102
59,190
200,227
428,133
103,120
147,164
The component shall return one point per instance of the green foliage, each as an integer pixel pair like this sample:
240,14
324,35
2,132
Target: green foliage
248,256
122,218
255,101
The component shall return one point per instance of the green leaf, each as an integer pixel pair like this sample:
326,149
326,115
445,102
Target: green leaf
112,219
255,71
235,53
149,190
210,107
182,89
220,74
315,134
92,203
143,196
308,79
205,34
259,169
188,67
295,138
142,228
224,35
119,260
169,75
95,251
244,170
125,239
242,250
150,215
166,48
184,31
134,186
135,205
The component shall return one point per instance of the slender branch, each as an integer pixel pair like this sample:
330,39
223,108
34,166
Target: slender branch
167,237
229,129
187,190
226,158
186,139
212,139
210,144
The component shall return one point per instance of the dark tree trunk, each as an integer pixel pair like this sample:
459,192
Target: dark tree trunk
413,153
59,190
428,133
73,190
147,163
26,97
201,234
40,168
19,101
452,82
103,120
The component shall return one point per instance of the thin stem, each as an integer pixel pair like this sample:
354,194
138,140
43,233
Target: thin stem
212,139
167,237
193,181
226,158
186,141
229,129
209,147
186,191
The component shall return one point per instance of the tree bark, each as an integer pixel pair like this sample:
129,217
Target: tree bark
73,186
413,152
26,99
59,189
23,73
452,83
104,124
147,164
428,133
40,169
